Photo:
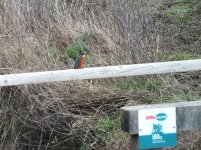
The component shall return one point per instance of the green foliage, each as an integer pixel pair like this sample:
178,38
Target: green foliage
132,85
7,103
153,85
85,147
180,12
181,96
72,52
150,85
88,60
107,126
177,13
176,56
197,7
185,1
76,48
108,130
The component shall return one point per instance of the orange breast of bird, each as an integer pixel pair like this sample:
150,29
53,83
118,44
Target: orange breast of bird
82,62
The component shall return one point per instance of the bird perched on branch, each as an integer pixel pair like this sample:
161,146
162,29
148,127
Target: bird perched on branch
80,61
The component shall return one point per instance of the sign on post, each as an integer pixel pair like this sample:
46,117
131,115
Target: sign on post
157,128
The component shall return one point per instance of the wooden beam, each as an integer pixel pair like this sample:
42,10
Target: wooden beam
100,72
188,115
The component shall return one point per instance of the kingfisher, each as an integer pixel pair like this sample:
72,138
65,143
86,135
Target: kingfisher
80,61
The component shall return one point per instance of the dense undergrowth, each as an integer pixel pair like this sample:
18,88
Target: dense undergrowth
48,35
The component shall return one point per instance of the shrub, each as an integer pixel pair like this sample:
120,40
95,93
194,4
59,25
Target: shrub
177,13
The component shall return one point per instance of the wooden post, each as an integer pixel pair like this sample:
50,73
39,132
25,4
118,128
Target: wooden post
188,117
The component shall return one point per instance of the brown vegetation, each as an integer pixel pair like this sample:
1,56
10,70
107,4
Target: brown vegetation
34,36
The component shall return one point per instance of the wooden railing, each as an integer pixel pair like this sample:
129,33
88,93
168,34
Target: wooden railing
100,72
187,115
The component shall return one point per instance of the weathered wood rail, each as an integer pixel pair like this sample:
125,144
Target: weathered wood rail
187,113
100,72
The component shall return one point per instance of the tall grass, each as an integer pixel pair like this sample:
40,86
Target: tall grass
116,28
34,35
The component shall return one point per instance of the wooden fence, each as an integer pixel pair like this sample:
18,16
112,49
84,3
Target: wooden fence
100,72
187,115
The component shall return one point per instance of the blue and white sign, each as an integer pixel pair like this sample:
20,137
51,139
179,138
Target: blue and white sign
157,128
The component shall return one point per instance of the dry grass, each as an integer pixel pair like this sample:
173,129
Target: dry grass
34,36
